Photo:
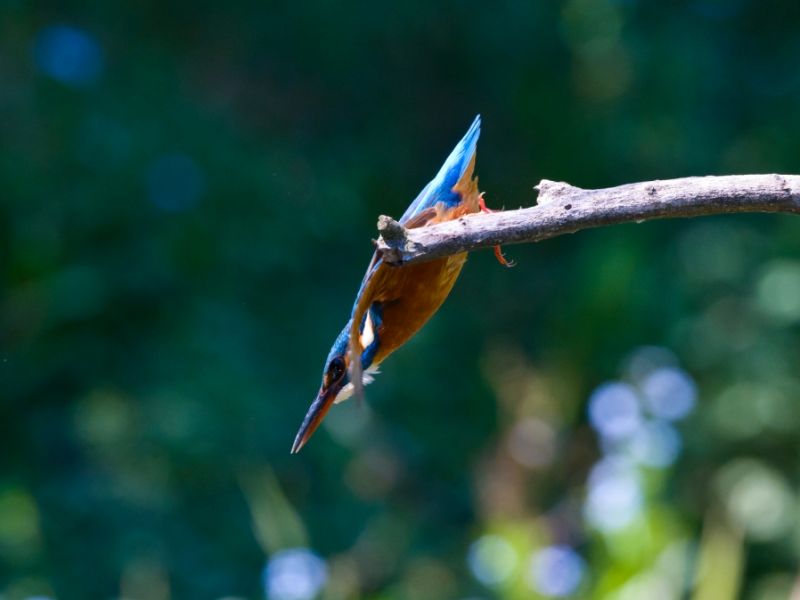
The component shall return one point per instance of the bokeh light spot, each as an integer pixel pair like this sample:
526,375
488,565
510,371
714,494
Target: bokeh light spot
294,574
492,559
532,443
19,525
669,393
69,55
758,499
556,571
656,444
650,585
778,292
614,410
745,409
646,359
348,423
615,495
103,417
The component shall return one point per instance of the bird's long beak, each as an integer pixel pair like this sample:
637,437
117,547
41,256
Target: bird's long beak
314,416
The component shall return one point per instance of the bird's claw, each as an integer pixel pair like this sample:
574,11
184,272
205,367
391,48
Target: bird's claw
498,251
501,258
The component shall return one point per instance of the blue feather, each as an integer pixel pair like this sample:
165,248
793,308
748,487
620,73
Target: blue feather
440,188
340,344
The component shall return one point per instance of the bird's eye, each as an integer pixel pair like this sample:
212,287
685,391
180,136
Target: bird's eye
336,369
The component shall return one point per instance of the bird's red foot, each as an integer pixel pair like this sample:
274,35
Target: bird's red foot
498,251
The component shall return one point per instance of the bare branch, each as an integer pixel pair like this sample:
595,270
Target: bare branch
563,208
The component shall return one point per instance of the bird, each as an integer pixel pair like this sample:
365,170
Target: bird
394,302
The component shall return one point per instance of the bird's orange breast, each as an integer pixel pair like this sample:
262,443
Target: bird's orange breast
410,295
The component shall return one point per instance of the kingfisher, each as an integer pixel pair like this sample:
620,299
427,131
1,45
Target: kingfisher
394,302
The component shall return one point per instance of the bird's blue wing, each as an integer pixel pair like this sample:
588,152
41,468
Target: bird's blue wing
440,188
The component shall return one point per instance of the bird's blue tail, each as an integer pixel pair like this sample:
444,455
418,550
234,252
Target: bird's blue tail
440,189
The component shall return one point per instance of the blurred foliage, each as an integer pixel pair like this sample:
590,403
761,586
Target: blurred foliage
188,194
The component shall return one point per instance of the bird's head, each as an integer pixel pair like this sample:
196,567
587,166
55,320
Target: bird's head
336,383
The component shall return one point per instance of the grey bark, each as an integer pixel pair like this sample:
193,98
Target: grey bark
563,208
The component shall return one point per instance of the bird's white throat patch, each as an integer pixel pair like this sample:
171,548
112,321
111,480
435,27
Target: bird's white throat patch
367,377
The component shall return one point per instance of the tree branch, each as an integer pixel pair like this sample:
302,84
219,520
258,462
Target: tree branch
563,208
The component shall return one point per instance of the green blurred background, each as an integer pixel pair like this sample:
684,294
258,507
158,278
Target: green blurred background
188,196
